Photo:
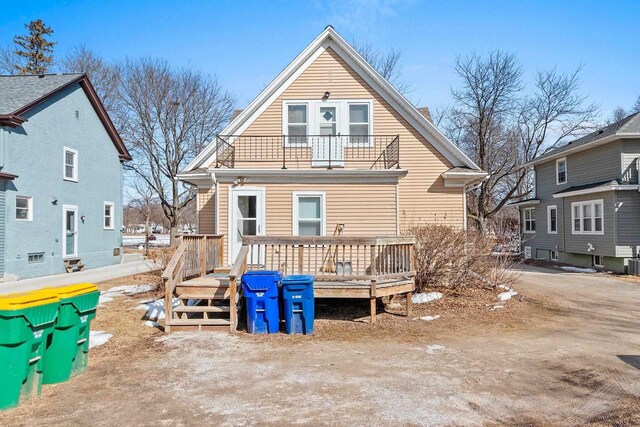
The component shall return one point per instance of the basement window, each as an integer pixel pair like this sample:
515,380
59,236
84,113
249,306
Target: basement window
36,258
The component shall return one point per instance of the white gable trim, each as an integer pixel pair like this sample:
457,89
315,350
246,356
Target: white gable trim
330,38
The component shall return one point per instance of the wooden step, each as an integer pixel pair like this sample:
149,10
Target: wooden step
207,281
198,294
198,328
198,322
222,269
202,309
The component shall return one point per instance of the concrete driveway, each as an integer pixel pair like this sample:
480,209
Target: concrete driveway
576,364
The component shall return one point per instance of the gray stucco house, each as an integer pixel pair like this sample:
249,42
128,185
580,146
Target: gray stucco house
586,208
60,177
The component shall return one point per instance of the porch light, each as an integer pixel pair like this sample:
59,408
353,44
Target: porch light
326,95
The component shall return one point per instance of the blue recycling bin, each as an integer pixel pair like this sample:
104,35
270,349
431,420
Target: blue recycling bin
261,295
298,302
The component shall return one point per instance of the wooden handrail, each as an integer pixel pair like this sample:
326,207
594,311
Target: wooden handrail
239,264
328,240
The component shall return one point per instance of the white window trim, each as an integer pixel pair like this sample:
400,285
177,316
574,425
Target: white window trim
323,210
549,209
285,121
342,119
75,164
551,252
370,133
566,171
593,261
524,220
29,208
593,217
104,216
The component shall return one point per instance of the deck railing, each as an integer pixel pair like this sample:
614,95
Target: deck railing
327,151
196,255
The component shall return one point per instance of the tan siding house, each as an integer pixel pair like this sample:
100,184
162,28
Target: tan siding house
328,145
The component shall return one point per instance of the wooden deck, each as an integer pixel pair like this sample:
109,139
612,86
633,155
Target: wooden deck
343,267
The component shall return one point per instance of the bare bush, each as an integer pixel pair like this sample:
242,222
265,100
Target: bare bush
447,257
159,259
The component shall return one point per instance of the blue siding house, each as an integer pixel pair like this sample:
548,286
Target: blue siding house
60,177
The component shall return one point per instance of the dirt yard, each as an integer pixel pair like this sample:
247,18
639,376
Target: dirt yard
564,351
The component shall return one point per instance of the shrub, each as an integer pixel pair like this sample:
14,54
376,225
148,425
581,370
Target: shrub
159,259
452,258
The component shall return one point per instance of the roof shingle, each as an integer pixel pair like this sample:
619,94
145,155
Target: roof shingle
18,91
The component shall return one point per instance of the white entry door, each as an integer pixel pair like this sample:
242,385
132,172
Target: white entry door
69,231
246,219
328,147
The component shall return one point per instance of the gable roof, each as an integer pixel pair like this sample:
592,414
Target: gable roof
329,38
19,94
629,127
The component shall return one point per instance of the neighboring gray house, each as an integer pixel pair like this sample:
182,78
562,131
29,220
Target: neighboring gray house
60,177
586,209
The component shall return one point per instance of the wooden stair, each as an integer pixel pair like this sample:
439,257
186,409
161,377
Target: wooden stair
204,305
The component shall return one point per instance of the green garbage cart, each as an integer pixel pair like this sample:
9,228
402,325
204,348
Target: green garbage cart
26,323
68,350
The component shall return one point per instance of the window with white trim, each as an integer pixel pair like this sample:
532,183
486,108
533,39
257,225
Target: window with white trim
552,219
70,171
24,208
529,220
587,217
598,261
553,255
109,208
297,123
359,123
561,171
309,214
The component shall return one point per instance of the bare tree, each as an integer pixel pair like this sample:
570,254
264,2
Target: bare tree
105,77
387,64
143,201
169,115
501,127
8,60
636,106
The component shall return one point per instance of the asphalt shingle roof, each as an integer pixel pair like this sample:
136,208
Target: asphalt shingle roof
630,124
607,183
18,91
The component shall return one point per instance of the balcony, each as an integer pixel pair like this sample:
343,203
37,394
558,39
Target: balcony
308,151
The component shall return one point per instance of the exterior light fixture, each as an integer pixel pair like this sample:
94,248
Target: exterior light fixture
326,95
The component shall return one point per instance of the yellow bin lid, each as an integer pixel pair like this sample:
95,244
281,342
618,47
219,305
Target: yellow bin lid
74,290
22,300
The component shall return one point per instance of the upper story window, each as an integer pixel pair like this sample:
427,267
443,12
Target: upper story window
24,208
308,214
297,123
109,208
561,171
359,123
70,172
552,219
529,220
587,217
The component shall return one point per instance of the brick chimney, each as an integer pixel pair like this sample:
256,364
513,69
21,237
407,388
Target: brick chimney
426,113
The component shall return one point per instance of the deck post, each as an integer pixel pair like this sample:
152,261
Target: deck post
409,294
203,256
373,301
300,259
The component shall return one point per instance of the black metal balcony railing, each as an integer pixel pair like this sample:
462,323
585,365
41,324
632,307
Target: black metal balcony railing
328,151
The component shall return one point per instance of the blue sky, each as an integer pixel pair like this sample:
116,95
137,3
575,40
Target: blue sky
247,43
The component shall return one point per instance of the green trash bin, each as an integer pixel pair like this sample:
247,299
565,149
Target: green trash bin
26,323
68,350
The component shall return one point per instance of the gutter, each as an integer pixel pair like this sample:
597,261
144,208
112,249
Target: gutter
602,189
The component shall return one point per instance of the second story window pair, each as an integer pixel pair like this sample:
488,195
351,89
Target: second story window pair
70,171
341,117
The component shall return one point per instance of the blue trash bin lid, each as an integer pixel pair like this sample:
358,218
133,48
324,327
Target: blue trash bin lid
261,280
298,279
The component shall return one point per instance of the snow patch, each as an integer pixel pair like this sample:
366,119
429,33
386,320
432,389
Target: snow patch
434,348
422,298
119,291
97,338
155,308
428,318
496,307
152,324
579,269
506,296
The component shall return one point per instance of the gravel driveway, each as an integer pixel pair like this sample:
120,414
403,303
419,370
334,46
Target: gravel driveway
577,365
